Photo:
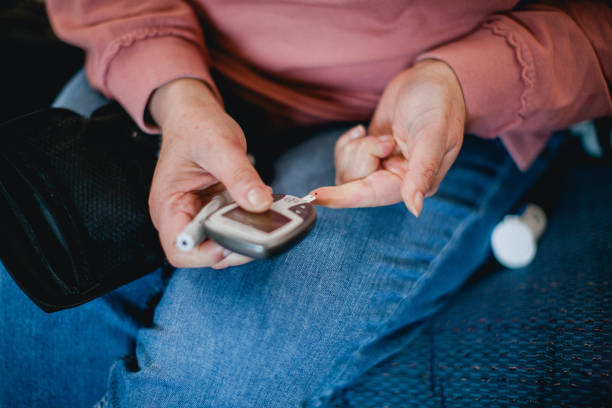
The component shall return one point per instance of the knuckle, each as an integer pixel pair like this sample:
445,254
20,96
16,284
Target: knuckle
204,144
241,176
154,191
344,146
428,171
370,191
366,146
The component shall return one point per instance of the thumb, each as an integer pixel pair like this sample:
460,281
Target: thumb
230,165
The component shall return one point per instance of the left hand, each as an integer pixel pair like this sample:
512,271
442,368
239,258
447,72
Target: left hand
424,110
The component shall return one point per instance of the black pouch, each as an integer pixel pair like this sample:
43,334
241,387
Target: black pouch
74,220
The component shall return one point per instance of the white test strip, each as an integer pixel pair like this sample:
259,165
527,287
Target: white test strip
309,198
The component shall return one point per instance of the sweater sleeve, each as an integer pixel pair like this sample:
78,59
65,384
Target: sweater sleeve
133,46
533,70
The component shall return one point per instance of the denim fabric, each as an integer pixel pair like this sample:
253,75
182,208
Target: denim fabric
538,336
78,96
284,332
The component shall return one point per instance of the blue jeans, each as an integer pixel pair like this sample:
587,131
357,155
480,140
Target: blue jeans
284,332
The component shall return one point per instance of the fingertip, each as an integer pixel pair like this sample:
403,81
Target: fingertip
316,195
347,195
418,203
259,199
324,196
223,258
413,198
356,132
242,181
232,259
353,133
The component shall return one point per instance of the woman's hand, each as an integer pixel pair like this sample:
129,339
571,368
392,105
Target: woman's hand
201,145
423,109
357,155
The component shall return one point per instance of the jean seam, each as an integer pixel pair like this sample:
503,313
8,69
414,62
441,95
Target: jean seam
502,175
103,402
452,242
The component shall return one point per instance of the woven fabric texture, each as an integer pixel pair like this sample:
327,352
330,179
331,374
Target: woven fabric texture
532,337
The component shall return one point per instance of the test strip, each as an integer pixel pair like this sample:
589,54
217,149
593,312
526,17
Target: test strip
309,198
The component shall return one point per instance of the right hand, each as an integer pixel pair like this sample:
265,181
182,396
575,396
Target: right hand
201,145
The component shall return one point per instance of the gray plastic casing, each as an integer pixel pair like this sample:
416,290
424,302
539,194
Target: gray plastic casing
262,248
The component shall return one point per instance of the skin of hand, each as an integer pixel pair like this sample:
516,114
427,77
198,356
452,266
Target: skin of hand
423,111
201,145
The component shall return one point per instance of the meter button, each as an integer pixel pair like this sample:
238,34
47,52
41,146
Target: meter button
303,210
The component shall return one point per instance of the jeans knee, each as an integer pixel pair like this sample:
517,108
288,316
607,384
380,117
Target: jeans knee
241,371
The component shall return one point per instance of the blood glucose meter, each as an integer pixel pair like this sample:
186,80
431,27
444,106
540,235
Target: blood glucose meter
257,235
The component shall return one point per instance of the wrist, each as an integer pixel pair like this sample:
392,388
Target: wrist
169,98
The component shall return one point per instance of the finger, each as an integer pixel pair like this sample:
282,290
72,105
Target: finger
353,133
381,120
423,145
424,163
378,127
206,254
378,146
232,259
362,157
379,188
396,164
447,162
229,163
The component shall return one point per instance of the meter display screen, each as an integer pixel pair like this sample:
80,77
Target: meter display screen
268,221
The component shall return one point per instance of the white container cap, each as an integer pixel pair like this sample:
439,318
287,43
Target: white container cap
513,243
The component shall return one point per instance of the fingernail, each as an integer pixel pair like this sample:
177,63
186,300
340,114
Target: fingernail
418,204
226,253
356,132
258,197
385,138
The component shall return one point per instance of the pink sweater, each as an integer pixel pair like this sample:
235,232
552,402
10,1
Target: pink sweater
524,71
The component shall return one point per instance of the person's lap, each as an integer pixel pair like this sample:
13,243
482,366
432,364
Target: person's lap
62,359
277,333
